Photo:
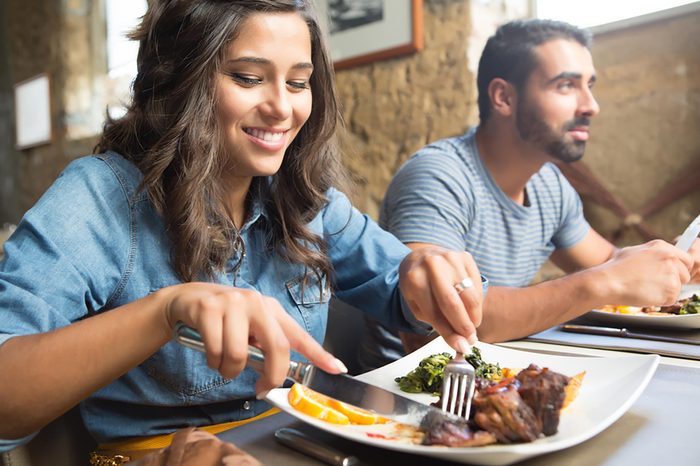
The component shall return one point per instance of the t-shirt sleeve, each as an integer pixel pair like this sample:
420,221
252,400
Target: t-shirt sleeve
573,226
429,201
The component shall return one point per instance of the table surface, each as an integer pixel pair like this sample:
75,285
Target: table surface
660,428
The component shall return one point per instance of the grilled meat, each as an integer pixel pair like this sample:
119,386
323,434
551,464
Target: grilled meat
501,411
543,391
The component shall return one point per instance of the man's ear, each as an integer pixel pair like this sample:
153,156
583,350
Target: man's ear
503,96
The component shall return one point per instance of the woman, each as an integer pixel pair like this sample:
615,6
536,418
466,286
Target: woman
213,202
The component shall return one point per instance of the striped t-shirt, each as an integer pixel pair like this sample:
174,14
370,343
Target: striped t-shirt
444,195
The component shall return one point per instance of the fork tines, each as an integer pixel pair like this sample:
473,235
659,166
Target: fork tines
458,387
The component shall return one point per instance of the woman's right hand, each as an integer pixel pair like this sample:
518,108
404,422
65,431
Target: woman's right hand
229,319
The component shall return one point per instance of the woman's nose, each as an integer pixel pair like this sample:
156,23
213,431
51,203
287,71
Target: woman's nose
277,103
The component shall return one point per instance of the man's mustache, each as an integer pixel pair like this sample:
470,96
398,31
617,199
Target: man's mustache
577,123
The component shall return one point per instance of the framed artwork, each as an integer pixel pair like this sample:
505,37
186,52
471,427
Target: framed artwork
363,31
33,112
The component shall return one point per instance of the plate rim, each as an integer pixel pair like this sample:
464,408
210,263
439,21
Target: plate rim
493,454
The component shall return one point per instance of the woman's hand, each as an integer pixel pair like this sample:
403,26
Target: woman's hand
428,279
229,319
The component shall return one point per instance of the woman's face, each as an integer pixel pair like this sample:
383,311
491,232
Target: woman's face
264,94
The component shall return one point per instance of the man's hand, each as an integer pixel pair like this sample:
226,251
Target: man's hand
428,277
648,274
694,252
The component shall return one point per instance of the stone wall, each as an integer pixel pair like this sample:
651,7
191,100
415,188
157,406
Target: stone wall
394,107
648,130
649,91
58,38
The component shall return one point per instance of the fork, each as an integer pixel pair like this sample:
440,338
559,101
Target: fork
458,387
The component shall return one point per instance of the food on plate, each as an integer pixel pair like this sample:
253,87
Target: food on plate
328,409
572,388
428,376
684,306
509,405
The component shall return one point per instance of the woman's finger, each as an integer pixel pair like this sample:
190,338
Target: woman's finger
273,342
305,344
208,322
236,330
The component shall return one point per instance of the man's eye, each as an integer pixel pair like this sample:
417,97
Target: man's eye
245,80
566,85
298,84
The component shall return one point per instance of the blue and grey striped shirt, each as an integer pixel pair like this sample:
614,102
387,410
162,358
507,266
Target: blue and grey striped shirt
444,195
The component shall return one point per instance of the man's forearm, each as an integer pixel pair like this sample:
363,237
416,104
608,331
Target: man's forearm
511,313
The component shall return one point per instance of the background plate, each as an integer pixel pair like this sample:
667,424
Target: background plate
610,387
689,321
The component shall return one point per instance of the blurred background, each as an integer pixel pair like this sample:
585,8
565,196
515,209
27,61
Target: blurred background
640,175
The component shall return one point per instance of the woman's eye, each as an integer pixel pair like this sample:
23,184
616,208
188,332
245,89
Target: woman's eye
298,84
246,80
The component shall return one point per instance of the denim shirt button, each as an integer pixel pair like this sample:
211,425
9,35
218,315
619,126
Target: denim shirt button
246,405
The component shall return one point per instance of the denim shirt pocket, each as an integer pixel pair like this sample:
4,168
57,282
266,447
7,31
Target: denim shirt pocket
311,300
184,372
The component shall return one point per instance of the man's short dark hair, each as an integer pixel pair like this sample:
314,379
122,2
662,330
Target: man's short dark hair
509,53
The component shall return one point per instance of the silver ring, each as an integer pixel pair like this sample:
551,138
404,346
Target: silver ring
463,285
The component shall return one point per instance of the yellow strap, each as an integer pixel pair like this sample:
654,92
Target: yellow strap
162,441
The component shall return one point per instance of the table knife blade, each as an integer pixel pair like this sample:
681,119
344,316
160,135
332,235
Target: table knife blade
624,333
342,387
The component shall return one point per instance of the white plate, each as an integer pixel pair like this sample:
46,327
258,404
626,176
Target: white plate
609,388
688,321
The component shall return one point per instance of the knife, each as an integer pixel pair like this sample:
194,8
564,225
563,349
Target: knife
623,332
689,235
341,386
299,441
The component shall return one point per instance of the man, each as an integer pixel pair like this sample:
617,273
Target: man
494,192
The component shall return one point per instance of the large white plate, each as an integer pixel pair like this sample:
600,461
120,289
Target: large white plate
609,388
689,321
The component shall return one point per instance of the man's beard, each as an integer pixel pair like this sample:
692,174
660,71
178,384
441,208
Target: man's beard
535,130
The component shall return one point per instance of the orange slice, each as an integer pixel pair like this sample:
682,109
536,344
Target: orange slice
314,404
357,415
572,388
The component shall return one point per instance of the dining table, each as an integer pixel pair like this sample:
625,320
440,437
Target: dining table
661,427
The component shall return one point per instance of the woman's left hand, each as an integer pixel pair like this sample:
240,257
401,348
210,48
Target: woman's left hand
430,280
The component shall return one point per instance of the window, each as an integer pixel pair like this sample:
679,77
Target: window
599,12
121,16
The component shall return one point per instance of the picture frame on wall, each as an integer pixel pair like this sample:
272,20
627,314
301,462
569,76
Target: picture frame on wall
365,31
33,112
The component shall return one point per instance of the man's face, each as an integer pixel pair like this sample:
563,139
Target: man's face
556,105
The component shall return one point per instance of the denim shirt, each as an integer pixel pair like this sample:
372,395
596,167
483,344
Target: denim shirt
94,242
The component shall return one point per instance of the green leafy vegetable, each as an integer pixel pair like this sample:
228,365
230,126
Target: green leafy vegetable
427,377
429,374
483,369
692,306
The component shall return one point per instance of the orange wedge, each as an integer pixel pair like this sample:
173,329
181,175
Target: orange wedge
314,404
357,415
572,388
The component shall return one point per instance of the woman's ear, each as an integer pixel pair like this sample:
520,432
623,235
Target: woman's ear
503,96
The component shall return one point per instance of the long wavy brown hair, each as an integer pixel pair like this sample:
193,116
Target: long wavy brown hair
172,134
